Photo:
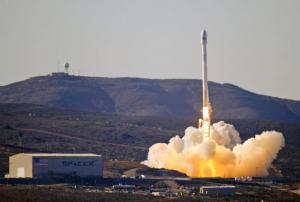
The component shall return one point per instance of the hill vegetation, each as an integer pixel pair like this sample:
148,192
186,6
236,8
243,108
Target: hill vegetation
179,98
36,128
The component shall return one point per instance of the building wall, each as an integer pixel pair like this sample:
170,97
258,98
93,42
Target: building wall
218,190
20,166
81,166
40,166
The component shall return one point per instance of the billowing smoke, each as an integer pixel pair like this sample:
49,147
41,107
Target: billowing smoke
221,155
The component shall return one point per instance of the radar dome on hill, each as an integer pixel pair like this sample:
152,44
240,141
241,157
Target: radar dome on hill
67,66
63,73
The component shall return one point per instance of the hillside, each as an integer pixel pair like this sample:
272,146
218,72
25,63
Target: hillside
35,128
179,98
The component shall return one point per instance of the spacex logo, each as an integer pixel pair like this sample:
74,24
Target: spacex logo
78,163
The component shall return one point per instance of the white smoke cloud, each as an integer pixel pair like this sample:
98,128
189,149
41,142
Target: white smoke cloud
222,155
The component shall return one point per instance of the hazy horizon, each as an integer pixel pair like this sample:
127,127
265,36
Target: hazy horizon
251,44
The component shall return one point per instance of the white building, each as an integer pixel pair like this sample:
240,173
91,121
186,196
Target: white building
44,165
218,190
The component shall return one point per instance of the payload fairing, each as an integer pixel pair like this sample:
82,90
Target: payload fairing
206,109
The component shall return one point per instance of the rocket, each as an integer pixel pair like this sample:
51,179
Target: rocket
204,123
204,69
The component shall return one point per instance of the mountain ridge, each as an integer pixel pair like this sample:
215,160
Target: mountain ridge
148,97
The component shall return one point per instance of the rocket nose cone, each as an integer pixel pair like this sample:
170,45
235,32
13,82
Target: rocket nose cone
203,36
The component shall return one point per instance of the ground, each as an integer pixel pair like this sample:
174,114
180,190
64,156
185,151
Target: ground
68,193
124,143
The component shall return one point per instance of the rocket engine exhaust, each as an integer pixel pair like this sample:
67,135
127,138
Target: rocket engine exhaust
215,150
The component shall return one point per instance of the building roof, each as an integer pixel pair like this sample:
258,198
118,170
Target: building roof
57,154
217,186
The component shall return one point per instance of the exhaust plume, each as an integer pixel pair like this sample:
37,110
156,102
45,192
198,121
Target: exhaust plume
220,155
215,150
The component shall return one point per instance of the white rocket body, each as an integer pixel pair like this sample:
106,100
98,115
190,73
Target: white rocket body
204,69
206,109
